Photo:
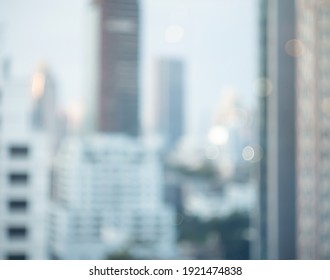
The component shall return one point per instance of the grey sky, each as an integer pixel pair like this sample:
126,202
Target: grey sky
218,46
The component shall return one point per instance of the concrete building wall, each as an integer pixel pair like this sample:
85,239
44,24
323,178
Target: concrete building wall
313,122
279,184
108,198
24,178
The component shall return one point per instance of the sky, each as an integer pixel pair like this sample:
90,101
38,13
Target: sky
218,47
215,39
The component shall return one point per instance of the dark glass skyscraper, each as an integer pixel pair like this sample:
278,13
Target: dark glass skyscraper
277,193
118,60
261,221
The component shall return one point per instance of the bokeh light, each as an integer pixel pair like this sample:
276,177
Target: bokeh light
294,48
218,135
248,153
212,152
252,153
76,114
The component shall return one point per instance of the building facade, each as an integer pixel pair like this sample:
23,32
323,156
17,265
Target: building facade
24,176
259,247
108,199
170,102
115,58
313,123
277,193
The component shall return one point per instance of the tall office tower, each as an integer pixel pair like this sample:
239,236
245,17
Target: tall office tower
44,112
43,94
170,102
259,247
116,61
279,185
313,119
24,177
108,198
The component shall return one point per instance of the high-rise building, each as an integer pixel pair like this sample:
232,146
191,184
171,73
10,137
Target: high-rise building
170,102
44,104
108,198
313,123
24,176
115,91
259,248
169,110
278,187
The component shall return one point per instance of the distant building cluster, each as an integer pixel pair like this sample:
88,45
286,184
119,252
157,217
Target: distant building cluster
89,183
87,193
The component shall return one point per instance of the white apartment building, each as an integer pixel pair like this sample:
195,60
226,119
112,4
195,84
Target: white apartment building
108,198
24,176
313,123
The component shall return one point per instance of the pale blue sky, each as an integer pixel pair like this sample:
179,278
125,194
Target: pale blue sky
219,47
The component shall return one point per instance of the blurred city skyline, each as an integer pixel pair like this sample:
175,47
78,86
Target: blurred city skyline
164,129
143,116
202,34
